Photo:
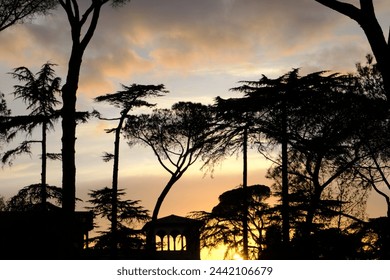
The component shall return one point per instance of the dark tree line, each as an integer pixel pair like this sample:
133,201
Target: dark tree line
82,25
323,123
334,130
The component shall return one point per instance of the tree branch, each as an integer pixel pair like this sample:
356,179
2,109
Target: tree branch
76,9
343,8
94,21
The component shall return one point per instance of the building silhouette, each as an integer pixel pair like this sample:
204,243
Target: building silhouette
174,238
40,234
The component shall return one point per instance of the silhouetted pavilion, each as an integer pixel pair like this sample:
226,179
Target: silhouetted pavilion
174,237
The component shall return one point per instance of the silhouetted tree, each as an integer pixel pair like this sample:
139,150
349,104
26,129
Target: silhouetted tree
129,98
328,127
329,243
233,118
83,26
318,117
177,137
223,225
370,79
374,238
18,11
273,246
374,170
39,93
269,97
30,199
233,129
129,215
366,18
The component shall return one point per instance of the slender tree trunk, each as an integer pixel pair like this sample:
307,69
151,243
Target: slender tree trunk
114,199
115,172
245,188
44,164
150,235
174,178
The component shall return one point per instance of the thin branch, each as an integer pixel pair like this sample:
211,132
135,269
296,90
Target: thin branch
343,8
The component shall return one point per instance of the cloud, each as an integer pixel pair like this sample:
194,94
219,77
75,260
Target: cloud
101,73
188,36
15,48
153,37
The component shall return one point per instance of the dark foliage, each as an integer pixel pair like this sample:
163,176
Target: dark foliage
18,11
29,199
130,214
178,138
223,225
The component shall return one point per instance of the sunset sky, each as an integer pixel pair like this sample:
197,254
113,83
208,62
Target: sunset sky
198,50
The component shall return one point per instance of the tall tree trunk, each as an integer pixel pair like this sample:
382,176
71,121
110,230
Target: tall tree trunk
245,188
44,164
68,113
150,235
69,91
174,178
115,172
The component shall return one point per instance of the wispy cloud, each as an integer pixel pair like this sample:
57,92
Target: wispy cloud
177,36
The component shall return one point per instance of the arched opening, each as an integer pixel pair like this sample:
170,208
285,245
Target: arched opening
159,240
171,243
174,241
165,243
181,243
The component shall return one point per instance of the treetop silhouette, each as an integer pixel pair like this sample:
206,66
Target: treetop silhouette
18,11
